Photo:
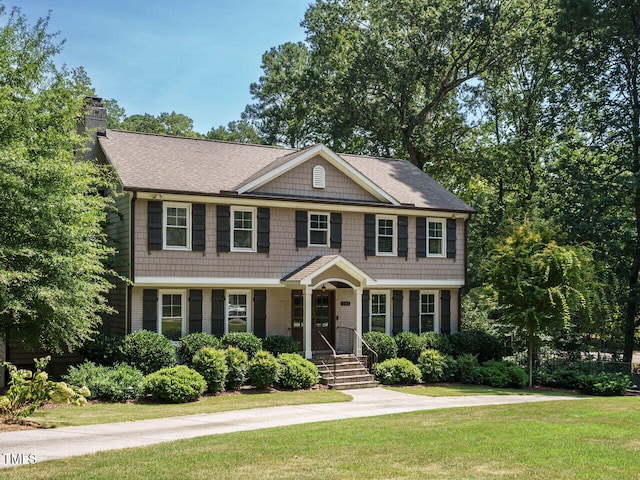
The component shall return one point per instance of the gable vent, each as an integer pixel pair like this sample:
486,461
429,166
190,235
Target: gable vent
318,177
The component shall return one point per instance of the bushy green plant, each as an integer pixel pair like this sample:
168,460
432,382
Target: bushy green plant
237,368
263,369
384,345
397,370
115,384
296,372
410,345
148,351
104,349
476,342
432,365
191,343
245,341
437,341
277,344
502,374
211,363
606,384
450,368
178,384
468,368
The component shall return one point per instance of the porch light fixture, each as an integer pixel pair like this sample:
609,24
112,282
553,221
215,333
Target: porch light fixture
324,288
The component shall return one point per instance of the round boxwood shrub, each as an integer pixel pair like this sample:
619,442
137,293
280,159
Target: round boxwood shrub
432,365
148,351
502,374
237,368
263,369
476,342
437,341
410,345
397,370
179,384
296,372
116,384
277,344
211,363
103,349
245,341
384,345
191,343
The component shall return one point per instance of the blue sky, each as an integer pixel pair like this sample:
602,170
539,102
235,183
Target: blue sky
196,57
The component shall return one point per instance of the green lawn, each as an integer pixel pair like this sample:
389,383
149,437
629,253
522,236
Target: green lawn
586,439
465,390
124,412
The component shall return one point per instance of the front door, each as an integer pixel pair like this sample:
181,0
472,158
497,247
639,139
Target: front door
322,319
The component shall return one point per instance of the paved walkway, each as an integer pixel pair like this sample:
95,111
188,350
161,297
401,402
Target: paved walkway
31,446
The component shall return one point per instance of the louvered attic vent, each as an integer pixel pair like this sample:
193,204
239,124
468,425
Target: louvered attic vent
318,177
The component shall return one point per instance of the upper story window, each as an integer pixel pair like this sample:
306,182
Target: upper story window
435,238
385,235
243,232
318,176
177,226
428,312
318,229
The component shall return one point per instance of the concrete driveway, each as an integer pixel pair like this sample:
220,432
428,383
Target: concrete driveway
31,446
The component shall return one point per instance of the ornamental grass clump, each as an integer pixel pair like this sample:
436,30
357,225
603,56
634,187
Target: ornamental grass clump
179,384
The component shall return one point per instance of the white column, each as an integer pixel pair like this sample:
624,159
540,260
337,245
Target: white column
307,323
359,320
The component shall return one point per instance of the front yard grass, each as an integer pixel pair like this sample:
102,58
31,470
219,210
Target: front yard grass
586,439
466,390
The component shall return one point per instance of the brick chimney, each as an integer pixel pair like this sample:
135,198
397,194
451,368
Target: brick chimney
94,123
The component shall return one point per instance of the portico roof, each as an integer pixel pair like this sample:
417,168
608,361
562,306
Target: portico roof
312,270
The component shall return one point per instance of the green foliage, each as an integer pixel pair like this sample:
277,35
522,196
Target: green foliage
245,341
192,342
296,372
501,374
437,341
28,391
607,384
176,124
103,349
410,345
468,368
277,344
148,351
263,369
432,366
593,377
178,384
397,370
241,131
113,383
384,345
211,363
237,368
476,342
53,252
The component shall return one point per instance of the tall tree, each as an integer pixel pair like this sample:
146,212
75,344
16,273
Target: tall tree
241,131
176,124
52,246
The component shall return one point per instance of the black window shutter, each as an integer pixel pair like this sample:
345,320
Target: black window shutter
260,313
263,230
154,225
421,237
195,311
403,236
336,230
369,235
217,312
414,311
198,219
445,311
397,311
150,309
223,218
451,238
366,324
301,228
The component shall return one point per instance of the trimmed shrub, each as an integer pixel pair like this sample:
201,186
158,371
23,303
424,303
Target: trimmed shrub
237,368
245,341
437,341
468,368
410,345
397,370
116,384
277,344
263,369
450,368
432,366
211,363
148,351
384,345
103,349
191,343
502,374
606,384
296,372
476,342
179,384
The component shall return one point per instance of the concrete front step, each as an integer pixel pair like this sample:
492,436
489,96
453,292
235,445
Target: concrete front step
347,373
353,385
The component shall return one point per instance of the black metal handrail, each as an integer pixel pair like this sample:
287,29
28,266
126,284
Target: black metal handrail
357,335
333,352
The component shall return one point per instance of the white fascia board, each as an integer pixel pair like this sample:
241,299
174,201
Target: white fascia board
391,283
205,282
345,265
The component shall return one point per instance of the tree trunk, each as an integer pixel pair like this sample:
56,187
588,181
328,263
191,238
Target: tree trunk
530,357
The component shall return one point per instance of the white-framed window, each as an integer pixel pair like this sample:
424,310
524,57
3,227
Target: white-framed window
172,314
318,229
435,237
243,229
379,313
429,321
385,235
318,177
238,311
176,223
